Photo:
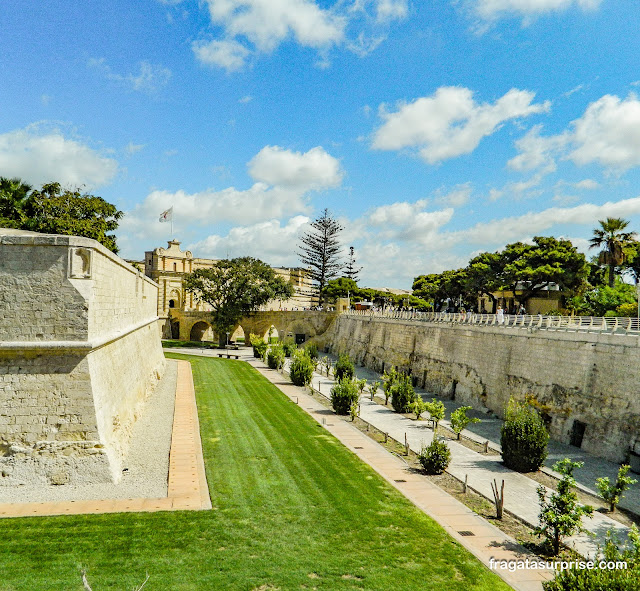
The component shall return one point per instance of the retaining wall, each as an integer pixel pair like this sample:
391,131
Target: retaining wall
590,378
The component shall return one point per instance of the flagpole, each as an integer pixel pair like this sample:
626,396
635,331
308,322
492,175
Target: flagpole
172,222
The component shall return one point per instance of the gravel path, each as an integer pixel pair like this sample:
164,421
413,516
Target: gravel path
147,462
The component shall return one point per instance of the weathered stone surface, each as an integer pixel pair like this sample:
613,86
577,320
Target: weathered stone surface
591,378
79,347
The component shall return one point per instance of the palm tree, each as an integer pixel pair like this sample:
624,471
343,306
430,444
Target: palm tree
612,237
13,195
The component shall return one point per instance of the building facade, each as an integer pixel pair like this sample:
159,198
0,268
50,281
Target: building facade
169,266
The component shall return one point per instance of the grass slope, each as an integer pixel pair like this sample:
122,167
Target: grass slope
293,509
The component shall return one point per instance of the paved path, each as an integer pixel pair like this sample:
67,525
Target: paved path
187,481
520,491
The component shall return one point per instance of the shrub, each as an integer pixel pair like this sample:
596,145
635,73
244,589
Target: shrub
561,514
403,395
301,369
612,493
275,356
312,350
345,396
618,579
419,406
435,458
373,388
289,349
259,346
344,368
524,438
389,379
460,420
435,408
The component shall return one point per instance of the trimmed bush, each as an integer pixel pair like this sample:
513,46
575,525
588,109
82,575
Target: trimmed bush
301,369
275,356
289,349
259,346
524,438
312,350
344,396
435,457
344,368
403,395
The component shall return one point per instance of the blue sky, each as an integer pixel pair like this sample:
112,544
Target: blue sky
433,130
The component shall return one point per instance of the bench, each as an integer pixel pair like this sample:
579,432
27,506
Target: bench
228,355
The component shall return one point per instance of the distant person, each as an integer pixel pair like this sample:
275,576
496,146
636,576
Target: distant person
500,315
522,311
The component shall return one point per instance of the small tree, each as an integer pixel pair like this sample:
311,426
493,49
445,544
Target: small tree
523,438
373,388
419,406
344,368
275,356
345,396
301,369
460,420
561,514
612,493
435,408
435,457
312,350
289,349
362,384
325,365
388,380
402,394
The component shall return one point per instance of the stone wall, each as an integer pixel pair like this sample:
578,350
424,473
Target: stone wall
572,377
79,355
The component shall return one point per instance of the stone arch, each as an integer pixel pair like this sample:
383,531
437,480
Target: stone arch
274,333
201,331
174,300
239,333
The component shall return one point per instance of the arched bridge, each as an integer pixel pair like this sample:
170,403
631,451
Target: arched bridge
299,325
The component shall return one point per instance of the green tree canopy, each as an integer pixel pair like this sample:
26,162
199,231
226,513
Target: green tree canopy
234,288
484,276
532,268
613,240
54,210
341,288
438,287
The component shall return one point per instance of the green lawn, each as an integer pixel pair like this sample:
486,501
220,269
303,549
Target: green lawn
293,509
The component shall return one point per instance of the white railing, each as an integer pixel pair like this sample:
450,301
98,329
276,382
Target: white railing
614,325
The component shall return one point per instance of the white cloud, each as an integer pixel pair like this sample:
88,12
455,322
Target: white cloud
450,123
229,55
284,180
537,152
457,197
609,133
269,241
315,169
132,148
391,9
587,184
39,156
245,99
490,10
150,78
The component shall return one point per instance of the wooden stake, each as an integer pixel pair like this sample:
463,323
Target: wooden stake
406,444
386,437
486,446
464,486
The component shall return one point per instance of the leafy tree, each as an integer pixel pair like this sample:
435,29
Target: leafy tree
342,288
402,394
440,288
320,251
351,269
532,268
460,420
436,409
612,237
234,288
301,368
484,276
605,301
13,195
419,406
613,493
561,514
344,368
275,356
345,396
388,380
53,210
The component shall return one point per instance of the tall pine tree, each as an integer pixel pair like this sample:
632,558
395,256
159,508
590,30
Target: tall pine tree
351,270
320,251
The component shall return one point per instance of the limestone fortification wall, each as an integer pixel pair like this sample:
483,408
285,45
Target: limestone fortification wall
592,378
79,355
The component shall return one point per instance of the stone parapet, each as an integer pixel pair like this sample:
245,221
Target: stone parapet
79,354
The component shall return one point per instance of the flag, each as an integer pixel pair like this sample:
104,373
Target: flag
167,216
